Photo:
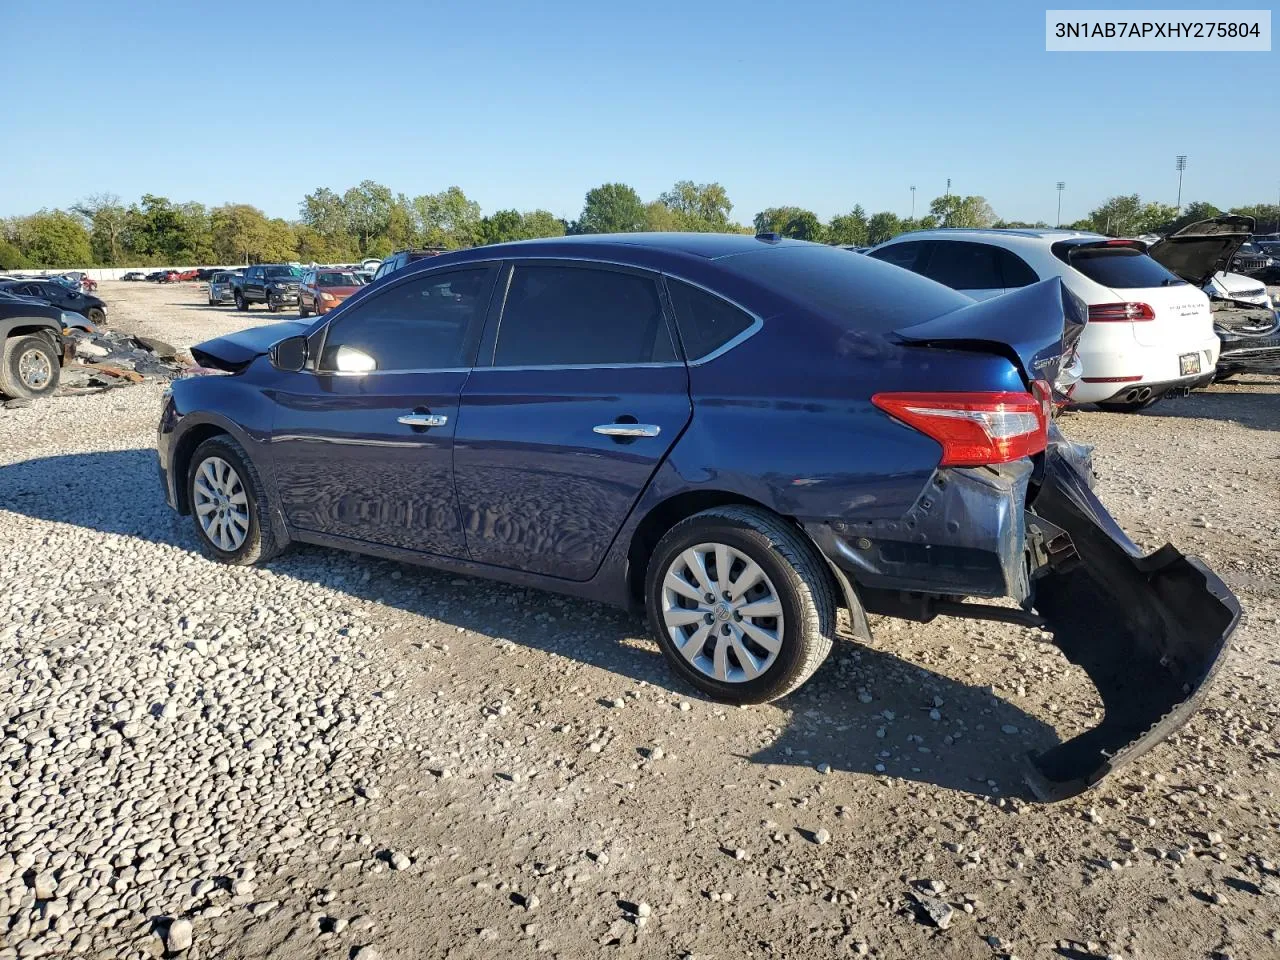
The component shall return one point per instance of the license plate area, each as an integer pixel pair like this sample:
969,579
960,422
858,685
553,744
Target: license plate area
1189,363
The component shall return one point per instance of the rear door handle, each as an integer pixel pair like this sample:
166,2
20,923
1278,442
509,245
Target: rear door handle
423,419
628,429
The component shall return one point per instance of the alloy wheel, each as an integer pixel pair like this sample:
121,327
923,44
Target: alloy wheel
722,612
221,504
34,369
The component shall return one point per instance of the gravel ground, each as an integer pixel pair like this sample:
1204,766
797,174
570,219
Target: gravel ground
337,756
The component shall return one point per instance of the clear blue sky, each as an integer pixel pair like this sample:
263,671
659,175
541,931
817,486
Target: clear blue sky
529,104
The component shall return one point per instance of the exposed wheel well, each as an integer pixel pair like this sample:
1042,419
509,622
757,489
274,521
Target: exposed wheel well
37,328
670,512
182,458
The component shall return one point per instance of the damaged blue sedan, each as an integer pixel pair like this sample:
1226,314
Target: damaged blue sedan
738,435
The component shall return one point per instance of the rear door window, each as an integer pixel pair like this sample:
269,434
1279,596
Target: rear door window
962,265
1120,268
581,316
706,322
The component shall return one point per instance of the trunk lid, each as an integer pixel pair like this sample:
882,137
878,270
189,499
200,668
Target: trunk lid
1198,251
236,350
1035,326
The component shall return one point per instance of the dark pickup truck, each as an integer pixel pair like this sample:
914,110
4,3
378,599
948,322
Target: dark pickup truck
31,347
275,284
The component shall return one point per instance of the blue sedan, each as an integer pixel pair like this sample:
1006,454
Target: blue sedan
739,435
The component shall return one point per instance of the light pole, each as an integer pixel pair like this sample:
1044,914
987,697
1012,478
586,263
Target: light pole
913,201
1062,185
1180,164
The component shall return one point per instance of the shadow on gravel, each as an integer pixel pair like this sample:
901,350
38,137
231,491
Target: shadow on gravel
119,492
1258,411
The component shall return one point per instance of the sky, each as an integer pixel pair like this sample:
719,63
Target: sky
530,104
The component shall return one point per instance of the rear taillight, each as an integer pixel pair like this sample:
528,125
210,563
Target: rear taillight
1120,312
976,429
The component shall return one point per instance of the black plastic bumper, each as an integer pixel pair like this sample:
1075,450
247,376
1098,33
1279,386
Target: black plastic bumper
1149,630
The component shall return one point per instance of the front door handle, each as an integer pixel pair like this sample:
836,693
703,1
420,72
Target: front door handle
628,429
423,419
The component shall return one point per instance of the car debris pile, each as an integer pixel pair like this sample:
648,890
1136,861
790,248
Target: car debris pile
105,359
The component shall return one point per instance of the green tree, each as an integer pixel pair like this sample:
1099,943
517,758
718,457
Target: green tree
883,226
611,208
849,229
774,219
658,217
541,223
447,219
107,220
804,225
699,207
324,212
11,257
55,238
368,208
954,210
243,234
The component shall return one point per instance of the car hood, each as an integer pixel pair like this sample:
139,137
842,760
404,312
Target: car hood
1237,283
342,292
1198,251
237,349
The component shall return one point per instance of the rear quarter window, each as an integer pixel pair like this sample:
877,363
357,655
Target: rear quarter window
706,322
1121,268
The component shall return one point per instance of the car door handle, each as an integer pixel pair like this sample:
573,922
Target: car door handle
423,419
628,429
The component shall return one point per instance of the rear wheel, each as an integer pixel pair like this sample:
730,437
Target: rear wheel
29,367
96,316
241,302
228,504
741,604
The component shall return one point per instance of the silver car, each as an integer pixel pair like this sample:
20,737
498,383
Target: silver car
220,288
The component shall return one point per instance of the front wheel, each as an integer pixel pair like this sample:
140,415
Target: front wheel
241,302
741,603
228,504
96,316
29,367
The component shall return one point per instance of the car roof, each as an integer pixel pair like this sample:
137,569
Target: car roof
1029,235
708,246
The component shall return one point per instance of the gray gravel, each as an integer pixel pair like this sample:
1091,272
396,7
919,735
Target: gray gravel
338,756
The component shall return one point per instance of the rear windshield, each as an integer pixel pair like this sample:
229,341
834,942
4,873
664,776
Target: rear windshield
860,293
1121,268
337,280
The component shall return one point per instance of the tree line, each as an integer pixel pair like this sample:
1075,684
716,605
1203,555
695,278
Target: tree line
369,220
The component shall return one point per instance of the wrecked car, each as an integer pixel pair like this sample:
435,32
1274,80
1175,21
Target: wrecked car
1244,317
737,435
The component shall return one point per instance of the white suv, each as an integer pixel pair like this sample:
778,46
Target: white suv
1149,332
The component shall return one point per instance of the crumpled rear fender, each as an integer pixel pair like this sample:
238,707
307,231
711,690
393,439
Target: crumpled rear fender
1149,630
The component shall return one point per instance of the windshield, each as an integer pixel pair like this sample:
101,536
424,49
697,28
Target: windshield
334,279
282,273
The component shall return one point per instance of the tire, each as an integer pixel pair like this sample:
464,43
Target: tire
273,307
213,302
257,543
303,312
29,367
796,581
241,302
96,316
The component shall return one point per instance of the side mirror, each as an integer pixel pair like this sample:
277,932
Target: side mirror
289,355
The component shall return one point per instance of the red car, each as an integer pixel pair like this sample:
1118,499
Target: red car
169,276
321,290
188,274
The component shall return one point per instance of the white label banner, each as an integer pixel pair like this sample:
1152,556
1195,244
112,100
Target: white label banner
1136,31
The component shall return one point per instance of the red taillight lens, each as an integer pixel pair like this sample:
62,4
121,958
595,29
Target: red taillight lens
1120,312
976,428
